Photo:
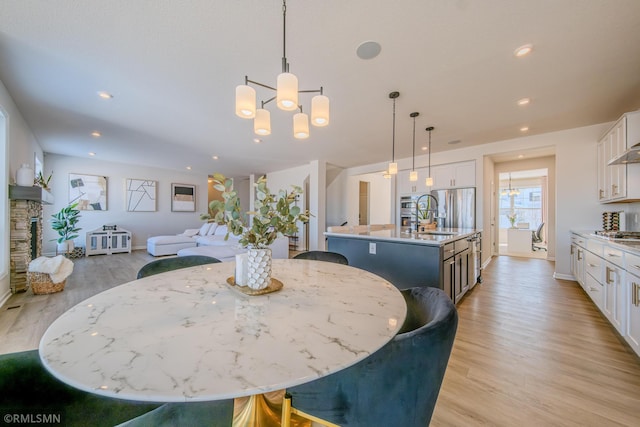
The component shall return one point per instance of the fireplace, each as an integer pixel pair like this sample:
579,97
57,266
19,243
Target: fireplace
25,237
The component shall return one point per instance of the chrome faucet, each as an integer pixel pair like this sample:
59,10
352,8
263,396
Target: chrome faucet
418,209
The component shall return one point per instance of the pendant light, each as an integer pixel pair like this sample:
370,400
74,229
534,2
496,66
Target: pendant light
286,98
429,181
413,175
393,166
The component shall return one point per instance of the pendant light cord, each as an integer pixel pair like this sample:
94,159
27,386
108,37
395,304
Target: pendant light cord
285,64
393,139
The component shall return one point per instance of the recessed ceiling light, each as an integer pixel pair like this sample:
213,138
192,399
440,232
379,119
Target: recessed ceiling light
368,50
214,157
91,153
524,101
424,148
257,140
189,168
524,128
104,95
523,50
96,134
521,156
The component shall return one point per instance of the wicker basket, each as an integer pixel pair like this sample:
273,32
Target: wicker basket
41,283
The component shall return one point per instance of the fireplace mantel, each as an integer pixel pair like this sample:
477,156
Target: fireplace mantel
35,193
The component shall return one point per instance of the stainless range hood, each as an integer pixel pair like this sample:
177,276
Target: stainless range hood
632,155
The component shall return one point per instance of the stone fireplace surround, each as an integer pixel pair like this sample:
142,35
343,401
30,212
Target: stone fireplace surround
25,214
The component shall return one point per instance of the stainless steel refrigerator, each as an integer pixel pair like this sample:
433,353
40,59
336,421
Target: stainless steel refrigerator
457,206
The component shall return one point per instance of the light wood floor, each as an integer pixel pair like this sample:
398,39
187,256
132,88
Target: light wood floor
530,350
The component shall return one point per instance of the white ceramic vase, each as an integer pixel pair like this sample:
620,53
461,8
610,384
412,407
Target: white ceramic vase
258,268
24,175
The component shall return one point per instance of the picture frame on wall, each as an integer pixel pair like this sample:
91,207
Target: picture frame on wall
183,197
89,191
141,195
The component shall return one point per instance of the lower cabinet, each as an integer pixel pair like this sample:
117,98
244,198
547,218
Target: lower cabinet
632,329
614,299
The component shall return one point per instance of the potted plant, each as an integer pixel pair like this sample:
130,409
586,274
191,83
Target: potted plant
43,182
274,215
65,223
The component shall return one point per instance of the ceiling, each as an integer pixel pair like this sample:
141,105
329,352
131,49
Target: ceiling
173,66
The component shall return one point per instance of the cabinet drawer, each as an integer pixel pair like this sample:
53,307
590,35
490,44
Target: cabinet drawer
613,256
448,250
460,245
593,266
595,246
632,263
595,290
577,240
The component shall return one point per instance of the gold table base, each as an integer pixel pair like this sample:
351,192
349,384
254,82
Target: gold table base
263,410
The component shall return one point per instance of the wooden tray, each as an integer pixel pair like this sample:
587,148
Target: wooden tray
274,286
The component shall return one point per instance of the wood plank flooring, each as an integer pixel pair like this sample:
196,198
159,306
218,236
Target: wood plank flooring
530,350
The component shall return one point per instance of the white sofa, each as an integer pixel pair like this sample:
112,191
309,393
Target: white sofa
208,240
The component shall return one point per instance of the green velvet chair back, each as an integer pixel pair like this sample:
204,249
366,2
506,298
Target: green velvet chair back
399,384
175,263
323,256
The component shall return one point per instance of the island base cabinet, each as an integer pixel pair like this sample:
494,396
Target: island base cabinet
403,264
633,312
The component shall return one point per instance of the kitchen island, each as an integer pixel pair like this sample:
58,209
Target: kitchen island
441,258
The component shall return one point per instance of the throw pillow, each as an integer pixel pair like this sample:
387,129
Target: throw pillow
204,229
212,230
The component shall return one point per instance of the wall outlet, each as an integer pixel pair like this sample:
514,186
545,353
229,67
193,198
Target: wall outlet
372,248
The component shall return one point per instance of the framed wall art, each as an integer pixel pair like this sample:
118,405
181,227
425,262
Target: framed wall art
89,191
183,197
141,195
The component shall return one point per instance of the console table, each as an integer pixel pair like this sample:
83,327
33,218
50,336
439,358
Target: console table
108,241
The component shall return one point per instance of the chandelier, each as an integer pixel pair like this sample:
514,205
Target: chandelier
286,99
510,191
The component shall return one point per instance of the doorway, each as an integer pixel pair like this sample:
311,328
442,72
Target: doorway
522,201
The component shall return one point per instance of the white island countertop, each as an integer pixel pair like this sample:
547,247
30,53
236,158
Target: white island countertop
436,237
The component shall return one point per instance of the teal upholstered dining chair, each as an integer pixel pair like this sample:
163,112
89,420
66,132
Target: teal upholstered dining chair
174,263
323,256
27,389
399,384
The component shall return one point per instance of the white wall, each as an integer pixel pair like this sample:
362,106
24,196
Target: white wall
379,201
21,147
141,224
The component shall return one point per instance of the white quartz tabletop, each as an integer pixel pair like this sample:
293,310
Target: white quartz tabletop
437,237
186,335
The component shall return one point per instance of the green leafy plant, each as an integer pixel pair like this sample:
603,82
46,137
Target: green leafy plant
65,223
274,215
41,181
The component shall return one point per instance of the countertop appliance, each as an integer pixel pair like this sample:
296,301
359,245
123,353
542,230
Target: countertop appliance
457,206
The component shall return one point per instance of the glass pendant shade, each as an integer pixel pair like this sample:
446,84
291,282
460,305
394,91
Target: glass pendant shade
393,168
301,126
245,102
413,176
429,182
287,92
262,122
320,110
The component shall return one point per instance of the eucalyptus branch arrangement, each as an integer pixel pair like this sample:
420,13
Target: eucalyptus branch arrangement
274,215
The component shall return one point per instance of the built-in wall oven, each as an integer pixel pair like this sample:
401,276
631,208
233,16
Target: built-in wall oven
408,213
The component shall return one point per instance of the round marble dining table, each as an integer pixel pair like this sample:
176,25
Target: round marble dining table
187,335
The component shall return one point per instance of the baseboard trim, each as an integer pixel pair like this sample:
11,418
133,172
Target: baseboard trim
564,276
5,298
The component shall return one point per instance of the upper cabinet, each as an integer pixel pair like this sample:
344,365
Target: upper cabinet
613,179
405,186
453,175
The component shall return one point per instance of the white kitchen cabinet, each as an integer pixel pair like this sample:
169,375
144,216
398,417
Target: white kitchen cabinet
632,298
613,180
405,186
106,241
614,301
454,175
